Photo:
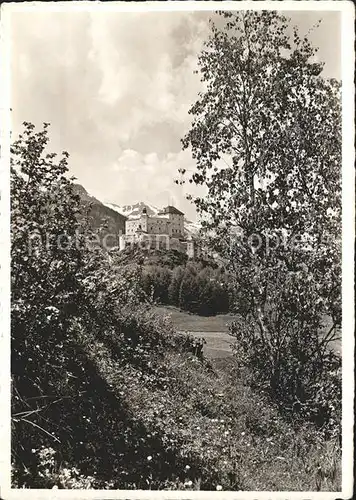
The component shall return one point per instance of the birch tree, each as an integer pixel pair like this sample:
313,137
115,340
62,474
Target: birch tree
266,140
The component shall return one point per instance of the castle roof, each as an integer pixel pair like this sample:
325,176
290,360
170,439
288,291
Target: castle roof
170,210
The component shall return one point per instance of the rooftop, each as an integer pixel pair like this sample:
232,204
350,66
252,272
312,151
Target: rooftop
170,210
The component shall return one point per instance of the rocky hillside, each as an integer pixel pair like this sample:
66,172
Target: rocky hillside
100,214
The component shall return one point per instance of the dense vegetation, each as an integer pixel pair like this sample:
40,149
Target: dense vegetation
107,395
201,290
199,286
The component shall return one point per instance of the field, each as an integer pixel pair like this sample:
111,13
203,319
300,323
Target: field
215,330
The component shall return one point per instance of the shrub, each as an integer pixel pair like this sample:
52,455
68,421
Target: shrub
189,292
286,353
203,292
155,281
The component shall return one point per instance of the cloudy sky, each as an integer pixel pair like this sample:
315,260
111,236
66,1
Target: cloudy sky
116,88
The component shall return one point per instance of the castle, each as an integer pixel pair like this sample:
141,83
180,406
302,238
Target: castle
162,232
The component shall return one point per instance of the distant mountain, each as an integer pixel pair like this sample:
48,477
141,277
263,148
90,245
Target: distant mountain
135,210
100,213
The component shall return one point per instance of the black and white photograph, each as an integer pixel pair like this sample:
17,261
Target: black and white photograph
177,231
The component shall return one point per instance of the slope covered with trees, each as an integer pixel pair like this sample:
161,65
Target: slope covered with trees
197,285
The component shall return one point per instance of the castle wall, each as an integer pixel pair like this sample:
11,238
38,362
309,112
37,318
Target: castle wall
122,242
190,249
152,241
176,224
158,225
131,226
151,225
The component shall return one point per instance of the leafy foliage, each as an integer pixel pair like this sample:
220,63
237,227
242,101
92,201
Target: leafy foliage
82,339
266,138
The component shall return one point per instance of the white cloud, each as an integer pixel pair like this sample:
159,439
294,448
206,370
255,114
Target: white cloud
138,76
116,88
152,180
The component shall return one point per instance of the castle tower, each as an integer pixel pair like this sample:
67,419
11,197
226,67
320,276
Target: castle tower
176,220
190,247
